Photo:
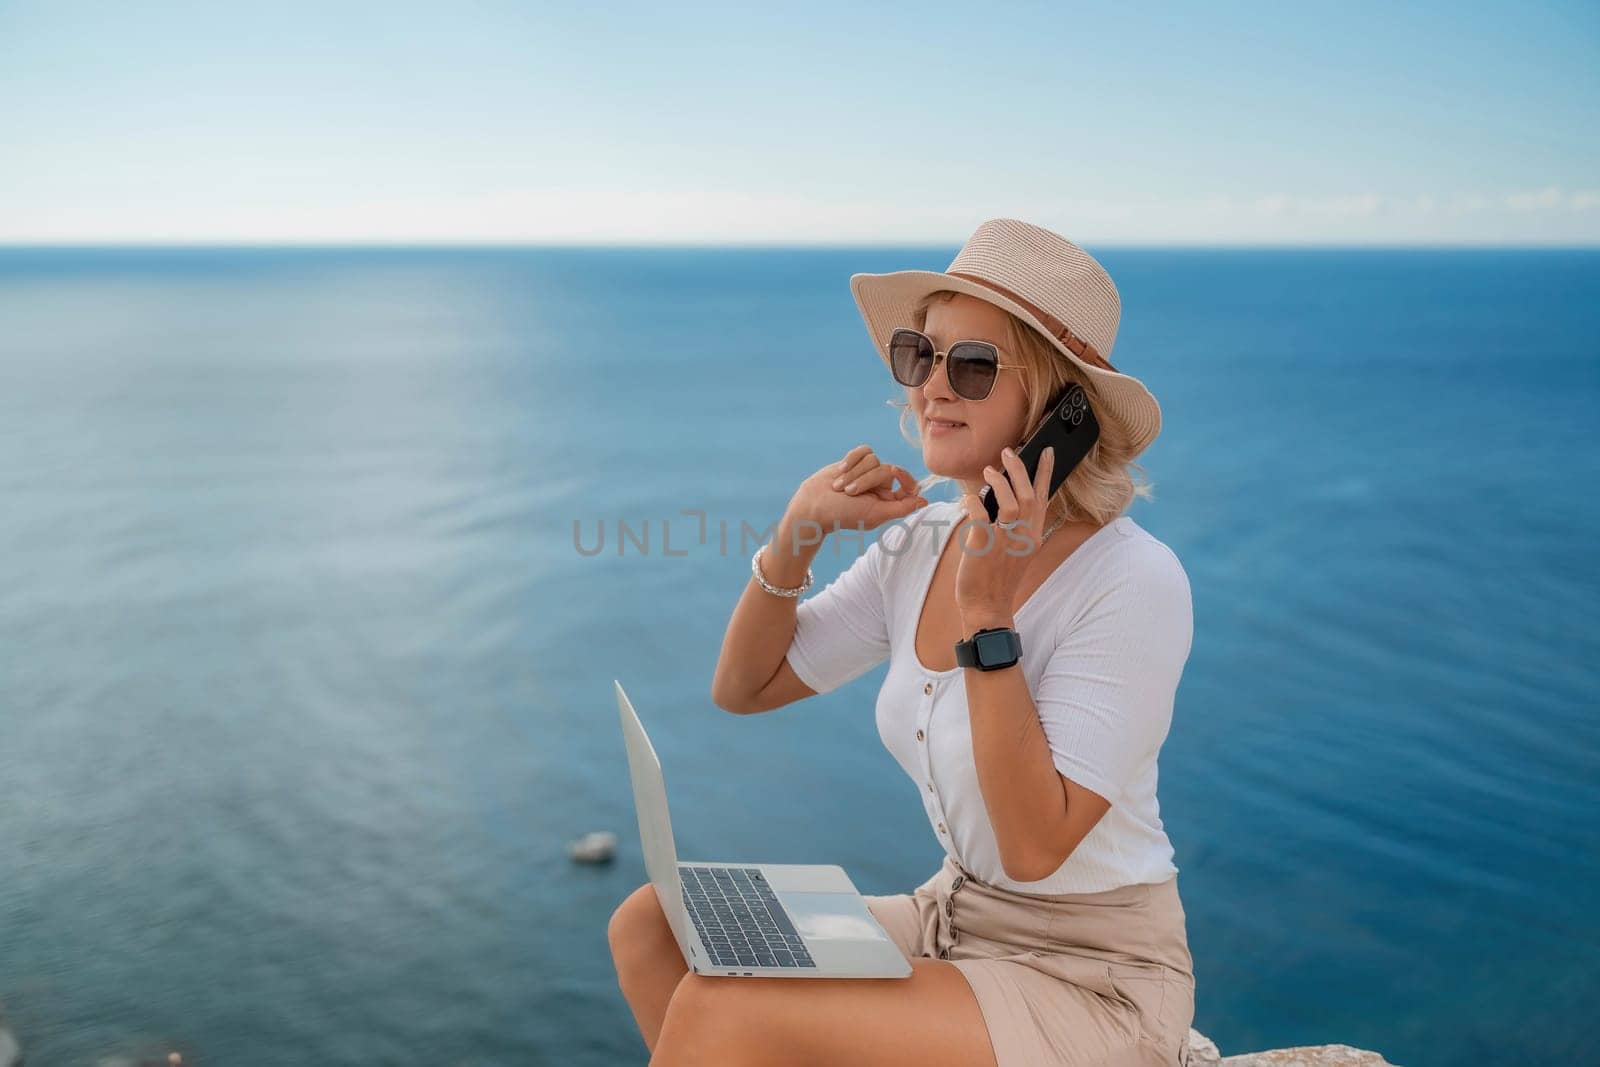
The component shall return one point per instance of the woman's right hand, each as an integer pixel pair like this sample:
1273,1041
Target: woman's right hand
859,492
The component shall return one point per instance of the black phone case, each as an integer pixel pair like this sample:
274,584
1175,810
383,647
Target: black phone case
1071,429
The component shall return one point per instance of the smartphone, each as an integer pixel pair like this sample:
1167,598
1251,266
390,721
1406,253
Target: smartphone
1071,429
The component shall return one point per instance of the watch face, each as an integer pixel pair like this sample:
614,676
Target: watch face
993,647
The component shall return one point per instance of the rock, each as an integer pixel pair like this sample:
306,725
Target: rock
1203,1052
597,846
1309,1056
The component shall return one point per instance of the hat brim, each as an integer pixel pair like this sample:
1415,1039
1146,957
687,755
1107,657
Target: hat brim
886,301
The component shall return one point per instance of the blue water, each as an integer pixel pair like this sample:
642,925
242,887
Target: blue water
304,685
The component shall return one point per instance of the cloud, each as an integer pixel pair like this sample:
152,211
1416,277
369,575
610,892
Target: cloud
594,212
1551,198
1545,199
1342,206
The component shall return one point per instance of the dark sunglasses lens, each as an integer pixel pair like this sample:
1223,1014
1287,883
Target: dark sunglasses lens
973,368
910,357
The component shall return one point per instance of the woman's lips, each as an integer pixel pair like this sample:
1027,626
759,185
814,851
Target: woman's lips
939,427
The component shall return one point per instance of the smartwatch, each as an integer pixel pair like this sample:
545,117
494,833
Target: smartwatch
990,649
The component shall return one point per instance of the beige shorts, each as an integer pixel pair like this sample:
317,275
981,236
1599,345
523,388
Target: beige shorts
1070,979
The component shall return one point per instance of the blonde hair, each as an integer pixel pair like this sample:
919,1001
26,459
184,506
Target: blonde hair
1102,486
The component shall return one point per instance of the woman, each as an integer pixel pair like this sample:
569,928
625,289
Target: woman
1053,932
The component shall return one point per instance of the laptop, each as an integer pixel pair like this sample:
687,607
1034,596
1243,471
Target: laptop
752,920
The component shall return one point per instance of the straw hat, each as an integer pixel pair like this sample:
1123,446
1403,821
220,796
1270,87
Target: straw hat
1046,281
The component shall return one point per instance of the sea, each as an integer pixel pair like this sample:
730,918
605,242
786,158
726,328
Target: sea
317,567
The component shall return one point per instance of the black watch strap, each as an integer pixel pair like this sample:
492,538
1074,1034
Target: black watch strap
990,649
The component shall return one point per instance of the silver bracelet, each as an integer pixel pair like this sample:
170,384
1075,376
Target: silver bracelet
755,569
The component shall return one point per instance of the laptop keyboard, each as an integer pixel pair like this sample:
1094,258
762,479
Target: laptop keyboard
740,919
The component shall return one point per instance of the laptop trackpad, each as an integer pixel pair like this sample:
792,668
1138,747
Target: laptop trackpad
831,916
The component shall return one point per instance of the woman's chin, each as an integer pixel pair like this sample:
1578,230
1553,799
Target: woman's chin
947,463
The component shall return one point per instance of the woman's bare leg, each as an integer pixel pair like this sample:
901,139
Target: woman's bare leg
648,961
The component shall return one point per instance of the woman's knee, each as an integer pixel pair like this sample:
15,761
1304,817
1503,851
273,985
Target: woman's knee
638,927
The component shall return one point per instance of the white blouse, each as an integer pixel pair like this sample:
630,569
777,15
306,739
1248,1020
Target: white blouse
1104,642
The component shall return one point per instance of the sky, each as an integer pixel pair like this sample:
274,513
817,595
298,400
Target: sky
818,123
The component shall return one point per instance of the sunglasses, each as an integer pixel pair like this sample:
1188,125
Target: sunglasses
971,366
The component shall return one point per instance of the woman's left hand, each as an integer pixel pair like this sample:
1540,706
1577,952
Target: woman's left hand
995,559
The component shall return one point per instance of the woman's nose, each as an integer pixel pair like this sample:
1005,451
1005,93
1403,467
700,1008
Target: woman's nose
938,384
